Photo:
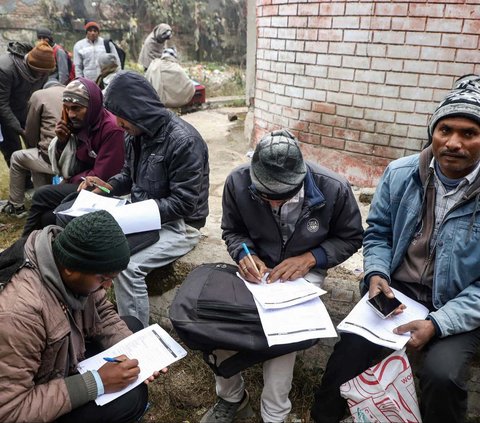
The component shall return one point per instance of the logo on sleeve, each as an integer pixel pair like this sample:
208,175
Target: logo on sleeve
313,225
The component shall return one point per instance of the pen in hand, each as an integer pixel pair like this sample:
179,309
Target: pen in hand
247,251
106,190
112,360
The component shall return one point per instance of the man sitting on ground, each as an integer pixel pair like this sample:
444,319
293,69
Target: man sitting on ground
44,111
166,160
53,314
298,219
89,143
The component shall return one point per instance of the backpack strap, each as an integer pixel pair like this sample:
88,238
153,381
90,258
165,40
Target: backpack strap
11,261
106,43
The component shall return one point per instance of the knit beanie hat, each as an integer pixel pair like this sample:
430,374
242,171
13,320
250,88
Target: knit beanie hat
44,33
41,58
92,243
277,168
76,92
462,101
92,24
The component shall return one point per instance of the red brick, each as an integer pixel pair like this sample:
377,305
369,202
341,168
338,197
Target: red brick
356,9
335,143
462,11
323,22
428,10
310,116
409,24
389,37
470,56
346,22
333,120
455,69
290,113
388,152
423,38
320,129
332,9
463,41
287,10
358,147
376,22
445,25
372,138
299,126
324,108
279,21
310,138
385,9
346,134
297,21
308,9
307,34
361,125
269,11
471,26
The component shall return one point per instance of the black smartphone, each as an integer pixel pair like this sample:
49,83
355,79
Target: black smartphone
383,305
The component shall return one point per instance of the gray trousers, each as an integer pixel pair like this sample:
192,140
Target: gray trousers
21,163
277,382
176,240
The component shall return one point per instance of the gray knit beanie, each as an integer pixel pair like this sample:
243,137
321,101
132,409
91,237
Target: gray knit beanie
92,243
462,101
76,92
277,168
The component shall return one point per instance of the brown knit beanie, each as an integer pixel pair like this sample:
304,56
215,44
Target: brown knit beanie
41,58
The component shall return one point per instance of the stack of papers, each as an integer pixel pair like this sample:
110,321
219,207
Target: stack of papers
363,321
152,347
291,311
135,217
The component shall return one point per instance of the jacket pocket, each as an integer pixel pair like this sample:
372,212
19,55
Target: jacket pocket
156,175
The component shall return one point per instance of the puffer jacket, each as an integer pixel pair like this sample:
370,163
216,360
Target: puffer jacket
168,162
329,225
85,57
34,340
15,90
395,217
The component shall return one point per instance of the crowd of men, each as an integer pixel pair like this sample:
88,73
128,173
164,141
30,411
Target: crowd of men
297,218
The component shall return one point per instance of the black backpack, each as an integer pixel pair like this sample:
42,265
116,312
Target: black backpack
120,51
213,309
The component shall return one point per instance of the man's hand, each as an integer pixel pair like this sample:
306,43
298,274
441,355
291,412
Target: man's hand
94,181
116,376
378,284
62,131
155,375
292,268
248,271
421,331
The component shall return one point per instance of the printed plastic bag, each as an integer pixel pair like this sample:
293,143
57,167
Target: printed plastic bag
384,393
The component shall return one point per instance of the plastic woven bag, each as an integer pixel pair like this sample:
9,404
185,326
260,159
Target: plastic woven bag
384,393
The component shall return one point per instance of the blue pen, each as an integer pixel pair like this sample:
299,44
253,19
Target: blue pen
112,360
247,251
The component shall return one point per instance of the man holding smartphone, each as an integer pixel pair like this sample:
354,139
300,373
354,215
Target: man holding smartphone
423,238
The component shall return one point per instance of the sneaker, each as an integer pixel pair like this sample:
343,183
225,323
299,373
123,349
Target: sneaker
227,412
11,210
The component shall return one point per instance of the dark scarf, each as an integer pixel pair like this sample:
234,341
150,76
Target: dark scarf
23,69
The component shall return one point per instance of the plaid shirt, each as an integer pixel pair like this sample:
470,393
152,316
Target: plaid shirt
288,213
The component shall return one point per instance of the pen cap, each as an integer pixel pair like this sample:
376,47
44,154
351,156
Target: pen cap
92,243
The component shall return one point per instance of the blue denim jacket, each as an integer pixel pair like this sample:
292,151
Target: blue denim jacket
394,216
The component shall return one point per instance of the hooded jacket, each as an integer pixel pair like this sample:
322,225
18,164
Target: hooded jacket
100,142
395,216
168,162
17,83
329,225
37,371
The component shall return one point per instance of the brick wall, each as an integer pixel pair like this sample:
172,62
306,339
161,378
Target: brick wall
357,81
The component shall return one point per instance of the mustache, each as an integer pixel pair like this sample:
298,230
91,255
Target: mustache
449,153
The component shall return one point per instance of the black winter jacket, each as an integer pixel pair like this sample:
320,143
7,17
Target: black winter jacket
168,162
16,90
329,225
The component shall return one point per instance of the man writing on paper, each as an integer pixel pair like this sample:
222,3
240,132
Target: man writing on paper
54,313
423,240
297,220
167,161
88,142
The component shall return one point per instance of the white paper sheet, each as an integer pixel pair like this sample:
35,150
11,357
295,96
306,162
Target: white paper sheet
87,202
135,217
363,321
308,320
282,294
152,347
